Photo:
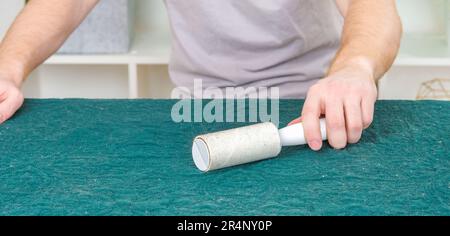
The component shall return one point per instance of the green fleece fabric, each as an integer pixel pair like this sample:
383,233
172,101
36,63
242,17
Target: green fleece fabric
127,157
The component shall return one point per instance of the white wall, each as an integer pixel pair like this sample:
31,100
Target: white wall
8,14
423,16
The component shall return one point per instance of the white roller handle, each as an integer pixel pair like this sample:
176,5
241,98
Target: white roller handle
293,135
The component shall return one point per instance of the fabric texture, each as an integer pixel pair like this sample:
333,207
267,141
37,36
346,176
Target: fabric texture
127,157
253,43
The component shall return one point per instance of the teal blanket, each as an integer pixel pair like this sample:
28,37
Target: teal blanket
127,157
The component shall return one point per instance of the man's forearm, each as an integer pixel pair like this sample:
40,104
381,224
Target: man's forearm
371,37
39,30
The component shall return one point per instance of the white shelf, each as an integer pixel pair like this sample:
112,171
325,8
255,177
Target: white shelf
146,49
154,49
420,61
423,51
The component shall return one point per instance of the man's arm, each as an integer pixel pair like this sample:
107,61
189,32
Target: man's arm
38,31
370,42
372,33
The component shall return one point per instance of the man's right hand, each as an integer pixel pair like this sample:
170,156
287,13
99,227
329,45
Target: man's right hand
38,31
11,98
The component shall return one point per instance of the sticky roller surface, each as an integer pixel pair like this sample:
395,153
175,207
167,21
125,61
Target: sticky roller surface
236,146
127,157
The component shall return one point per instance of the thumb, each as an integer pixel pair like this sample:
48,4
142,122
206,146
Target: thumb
296,121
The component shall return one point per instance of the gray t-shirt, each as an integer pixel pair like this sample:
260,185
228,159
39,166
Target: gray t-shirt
227,43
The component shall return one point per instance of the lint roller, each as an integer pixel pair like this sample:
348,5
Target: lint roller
246,144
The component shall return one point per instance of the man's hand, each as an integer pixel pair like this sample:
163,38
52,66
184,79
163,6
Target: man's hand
370,42
38,31
11,98
346,98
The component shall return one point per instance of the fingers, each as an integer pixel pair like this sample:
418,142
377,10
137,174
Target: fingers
353,119
367,107
10,103
310,116
345,120
347,101
335,120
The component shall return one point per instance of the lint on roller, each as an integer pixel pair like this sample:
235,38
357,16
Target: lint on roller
246,144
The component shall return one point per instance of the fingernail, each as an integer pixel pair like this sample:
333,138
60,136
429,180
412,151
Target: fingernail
315,145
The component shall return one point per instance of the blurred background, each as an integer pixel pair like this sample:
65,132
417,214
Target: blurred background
122,50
